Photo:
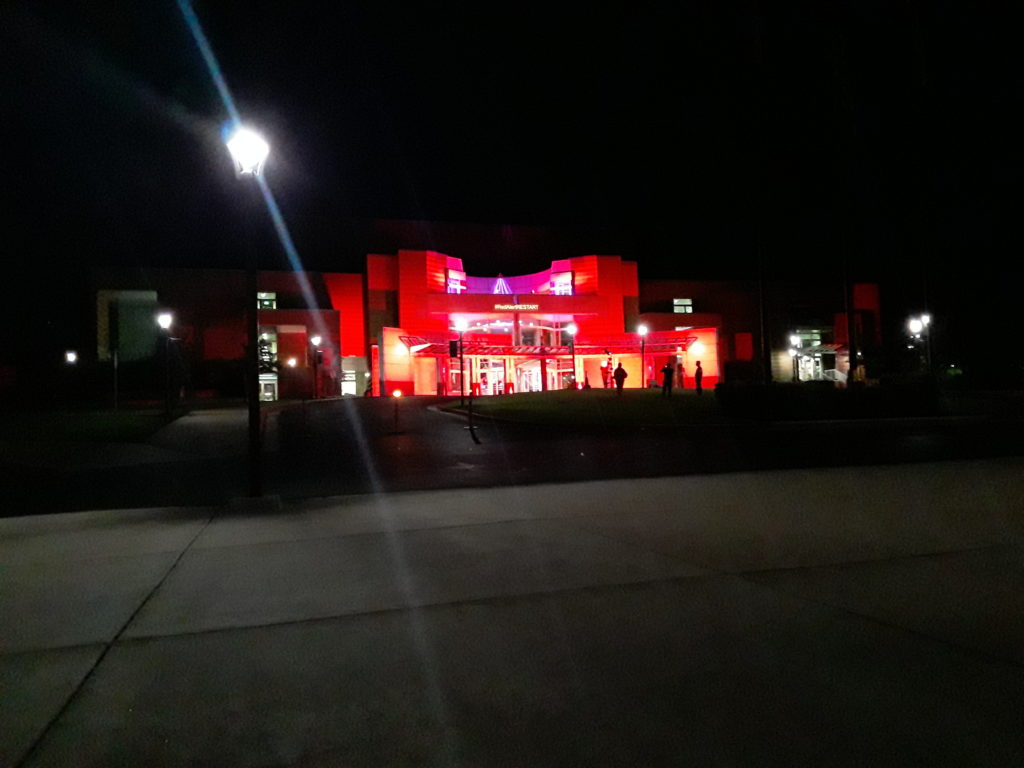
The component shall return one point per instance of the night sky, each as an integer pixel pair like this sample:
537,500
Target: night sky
882,137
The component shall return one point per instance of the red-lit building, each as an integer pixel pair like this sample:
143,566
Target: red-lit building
571,323
418,322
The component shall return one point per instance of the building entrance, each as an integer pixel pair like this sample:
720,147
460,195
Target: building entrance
492,376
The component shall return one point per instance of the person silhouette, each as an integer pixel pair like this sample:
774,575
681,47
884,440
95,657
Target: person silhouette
698,378
666,380
620,378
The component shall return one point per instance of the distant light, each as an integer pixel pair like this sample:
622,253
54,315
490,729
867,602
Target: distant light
794,340
698,348
264,337
315,340
292,362
249,151
926,319
572,329
71,357
164,320
792,352
367,374
641,329
397,393
461,325
915,325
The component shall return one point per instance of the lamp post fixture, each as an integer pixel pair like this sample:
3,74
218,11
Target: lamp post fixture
396,395
71,357
919,328
315,341
794,351
249,151
572,330
642,330
461,325
165,320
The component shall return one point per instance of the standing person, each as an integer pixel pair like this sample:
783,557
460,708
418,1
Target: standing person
620,378
682,376
666,380
698,377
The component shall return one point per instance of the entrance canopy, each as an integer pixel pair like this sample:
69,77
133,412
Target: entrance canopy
824,349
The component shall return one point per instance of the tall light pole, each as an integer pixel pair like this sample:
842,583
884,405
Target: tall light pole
249,151
571,329
794,351
642,330
461,325
165,320
315,341
919,329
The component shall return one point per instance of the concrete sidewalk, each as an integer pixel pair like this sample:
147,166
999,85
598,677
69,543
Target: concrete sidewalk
857,616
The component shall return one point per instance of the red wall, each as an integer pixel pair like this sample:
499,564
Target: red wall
346,292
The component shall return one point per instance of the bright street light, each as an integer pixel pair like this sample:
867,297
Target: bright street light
461,326
918,327
642,330
315,341
572,330
165,320
71,357
249,151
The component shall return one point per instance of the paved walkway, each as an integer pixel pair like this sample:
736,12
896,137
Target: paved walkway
862,616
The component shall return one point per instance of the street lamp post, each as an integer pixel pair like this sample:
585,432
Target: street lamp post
794,351
642,330
165,320
249,151
461,325
315,341
920,330
572,330
396,396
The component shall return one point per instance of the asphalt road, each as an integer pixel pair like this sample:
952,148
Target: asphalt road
356,445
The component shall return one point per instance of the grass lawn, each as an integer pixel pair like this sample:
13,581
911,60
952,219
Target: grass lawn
108,426
602,407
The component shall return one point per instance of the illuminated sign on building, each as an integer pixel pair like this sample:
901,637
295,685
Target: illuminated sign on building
516,307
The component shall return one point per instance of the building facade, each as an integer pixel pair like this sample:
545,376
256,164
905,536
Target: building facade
416,321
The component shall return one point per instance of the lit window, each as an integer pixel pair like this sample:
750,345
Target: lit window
266,300
682,306
561,284
455,281
268,349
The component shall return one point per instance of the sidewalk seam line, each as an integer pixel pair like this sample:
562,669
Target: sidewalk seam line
484,599
107,646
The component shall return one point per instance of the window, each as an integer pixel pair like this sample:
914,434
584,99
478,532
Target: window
561,283
682,306
455,281
268,349
266,300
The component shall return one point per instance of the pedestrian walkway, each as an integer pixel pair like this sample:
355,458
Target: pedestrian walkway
853,616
